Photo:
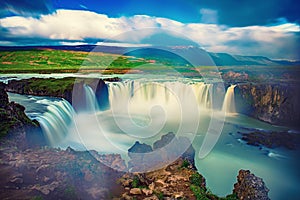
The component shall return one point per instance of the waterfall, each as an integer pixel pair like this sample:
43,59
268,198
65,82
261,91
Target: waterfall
139,109
164,94
229,104
91,101
55,123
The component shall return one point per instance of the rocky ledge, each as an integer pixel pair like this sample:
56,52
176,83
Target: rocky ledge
63,88
272,139
14,124
272,103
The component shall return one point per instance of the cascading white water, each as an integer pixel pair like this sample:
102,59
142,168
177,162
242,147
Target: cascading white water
229,103
91,101
139,109
143,94
55,123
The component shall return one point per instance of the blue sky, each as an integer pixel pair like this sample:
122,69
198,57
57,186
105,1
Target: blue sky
247,27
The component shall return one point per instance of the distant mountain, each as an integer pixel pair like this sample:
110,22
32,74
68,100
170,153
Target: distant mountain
155,53
224,59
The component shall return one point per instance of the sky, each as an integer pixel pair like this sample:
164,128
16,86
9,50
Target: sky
268,28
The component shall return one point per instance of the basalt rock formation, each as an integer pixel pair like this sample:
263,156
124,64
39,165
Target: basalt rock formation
166,150
14,120
273,103
69,88
250,187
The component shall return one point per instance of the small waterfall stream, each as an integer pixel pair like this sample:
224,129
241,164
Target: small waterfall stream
55,123
229,103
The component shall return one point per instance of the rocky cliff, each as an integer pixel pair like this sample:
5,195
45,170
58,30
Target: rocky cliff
273,103
71,89
16,125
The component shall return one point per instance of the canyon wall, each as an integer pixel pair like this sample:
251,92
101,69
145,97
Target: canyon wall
274,103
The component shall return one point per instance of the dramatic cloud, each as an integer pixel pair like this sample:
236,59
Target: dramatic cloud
25,7
276,41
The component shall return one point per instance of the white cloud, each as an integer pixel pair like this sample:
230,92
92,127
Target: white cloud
75,25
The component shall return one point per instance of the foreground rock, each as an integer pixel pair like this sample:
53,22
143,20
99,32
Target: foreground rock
250,187
273,139
50,173
15,125
168,149
170,182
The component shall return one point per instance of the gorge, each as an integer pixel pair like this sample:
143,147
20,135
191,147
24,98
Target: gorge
66,125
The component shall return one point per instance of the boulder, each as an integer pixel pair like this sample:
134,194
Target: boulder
250,187
135,191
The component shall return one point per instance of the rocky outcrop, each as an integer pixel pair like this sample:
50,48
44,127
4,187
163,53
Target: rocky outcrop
15,125
272,139
273,103
61,88
250,187
170,182
71,89
165,151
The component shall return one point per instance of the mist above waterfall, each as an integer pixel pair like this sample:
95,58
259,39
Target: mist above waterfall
138,111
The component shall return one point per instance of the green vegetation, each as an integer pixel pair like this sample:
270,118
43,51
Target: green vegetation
37,198
160,195
135,182
230,197
185,164
50,85
200,191
70,192
196,179
61,61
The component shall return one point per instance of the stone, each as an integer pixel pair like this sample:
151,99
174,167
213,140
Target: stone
135,191
152,186
125,196
147,192
178,195
164,140
16,180
41,168
250,187
154,197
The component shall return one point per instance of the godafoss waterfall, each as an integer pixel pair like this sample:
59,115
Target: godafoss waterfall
145,110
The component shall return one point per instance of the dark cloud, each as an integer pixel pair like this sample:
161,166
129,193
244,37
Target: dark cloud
32,8
253,12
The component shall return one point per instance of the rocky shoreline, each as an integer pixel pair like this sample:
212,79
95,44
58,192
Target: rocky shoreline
272,139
